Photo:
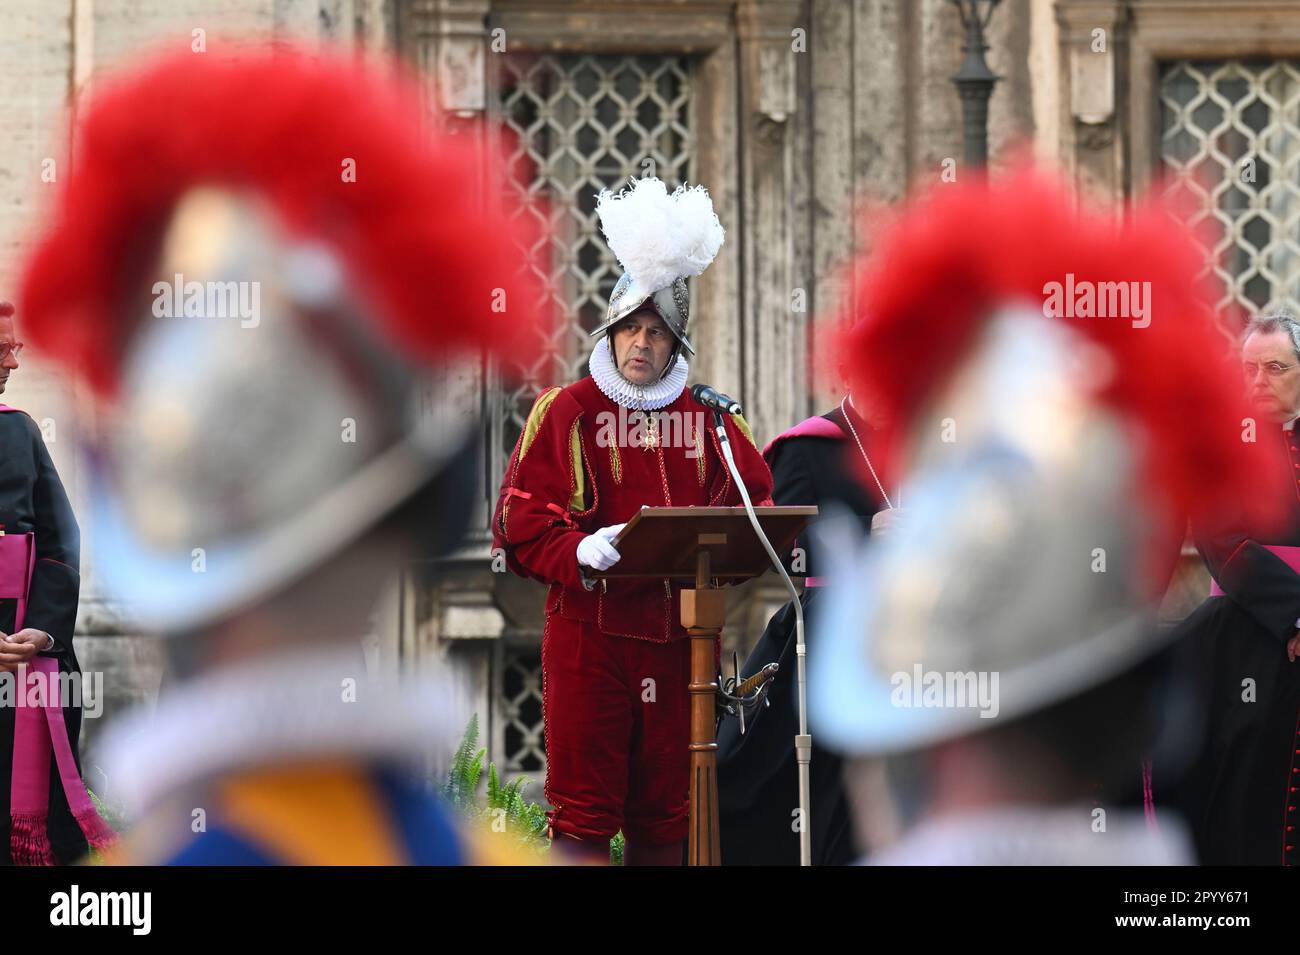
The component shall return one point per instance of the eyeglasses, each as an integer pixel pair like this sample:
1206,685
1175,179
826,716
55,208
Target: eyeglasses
1273,369
5,349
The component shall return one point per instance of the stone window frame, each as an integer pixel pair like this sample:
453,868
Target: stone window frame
1109,111
1197,30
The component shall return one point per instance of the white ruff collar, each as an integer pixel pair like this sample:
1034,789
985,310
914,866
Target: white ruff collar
272,712
633,397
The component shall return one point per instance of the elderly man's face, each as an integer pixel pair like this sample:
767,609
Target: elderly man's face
8,344
1268,361
642,344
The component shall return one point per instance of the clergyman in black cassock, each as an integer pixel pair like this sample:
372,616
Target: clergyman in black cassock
32,500
1242,796
758,782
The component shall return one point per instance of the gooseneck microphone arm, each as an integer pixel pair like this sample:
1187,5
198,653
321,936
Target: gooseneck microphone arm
803,741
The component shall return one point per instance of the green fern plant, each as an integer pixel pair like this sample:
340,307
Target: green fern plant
466,769
525,820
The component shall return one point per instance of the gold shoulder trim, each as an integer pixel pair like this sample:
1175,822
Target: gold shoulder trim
535,418
743,425
579,478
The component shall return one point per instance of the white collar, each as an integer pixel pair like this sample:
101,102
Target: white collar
1029,835
634,397
292,708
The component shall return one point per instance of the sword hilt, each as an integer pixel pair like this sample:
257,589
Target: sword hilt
735,696
765,675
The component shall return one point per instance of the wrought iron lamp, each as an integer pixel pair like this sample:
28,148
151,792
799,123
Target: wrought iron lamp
974,79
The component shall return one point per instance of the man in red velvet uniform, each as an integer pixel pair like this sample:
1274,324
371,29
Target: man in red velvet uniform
615,658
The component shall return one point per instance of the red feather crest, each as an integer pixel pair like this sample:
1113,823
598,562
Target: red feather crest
948,262
410,226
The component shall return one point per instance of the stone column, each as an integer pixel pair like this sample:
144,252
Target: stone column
774,300
1093,43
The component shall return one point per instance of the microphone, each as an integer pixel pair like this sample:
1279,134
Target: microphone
715,400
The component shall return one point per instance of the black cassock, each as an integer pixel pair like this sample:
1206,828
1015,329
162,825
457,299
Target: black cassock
758,782
32,500
1241,795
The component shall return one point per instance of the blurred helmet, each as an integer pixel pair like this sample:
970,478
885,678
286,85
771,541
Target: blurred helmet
1049,454
280,283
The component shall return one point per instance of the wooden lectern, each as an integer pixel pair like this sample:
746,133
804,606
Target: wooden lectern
712,546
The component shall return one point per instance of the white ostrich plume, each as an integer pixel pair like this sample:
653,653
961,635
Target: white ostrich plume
659,238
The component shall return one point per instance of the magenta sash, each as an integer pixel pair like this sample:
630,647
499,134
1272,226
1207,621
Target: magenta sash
1289,555
808,428
39,730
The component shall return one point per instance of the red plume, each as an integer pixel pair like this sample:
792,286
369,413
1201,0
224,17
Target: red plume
949,261
439,266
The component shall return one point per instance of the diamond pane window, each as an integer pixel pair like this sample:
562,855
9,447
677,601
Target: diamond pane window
519,699
1230,137
584,123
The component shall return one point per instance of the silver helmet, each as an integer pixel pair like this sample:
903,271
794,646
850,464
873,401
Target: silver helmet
296,380
672,304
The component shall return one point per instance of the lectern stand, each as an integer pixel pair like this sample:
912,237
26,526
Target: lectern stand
712,546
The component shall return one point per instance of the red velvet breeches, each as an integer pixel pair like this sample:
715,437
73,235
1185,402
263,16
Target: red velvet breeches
617,718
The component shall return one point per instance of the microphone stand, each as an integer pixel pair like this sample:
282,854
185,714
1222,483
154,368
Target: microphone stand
803,741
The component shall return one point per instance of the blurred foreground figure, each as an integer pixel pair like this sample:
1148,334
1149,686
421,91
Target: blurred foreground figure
271,274
1245,637
1055,405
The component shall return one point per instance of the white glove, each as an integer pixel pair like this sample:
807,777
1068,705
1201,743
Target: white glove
596,551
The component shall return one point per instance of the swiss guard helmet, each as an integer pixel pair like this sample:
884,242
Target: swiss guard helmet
1050,461
276,298
660,240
